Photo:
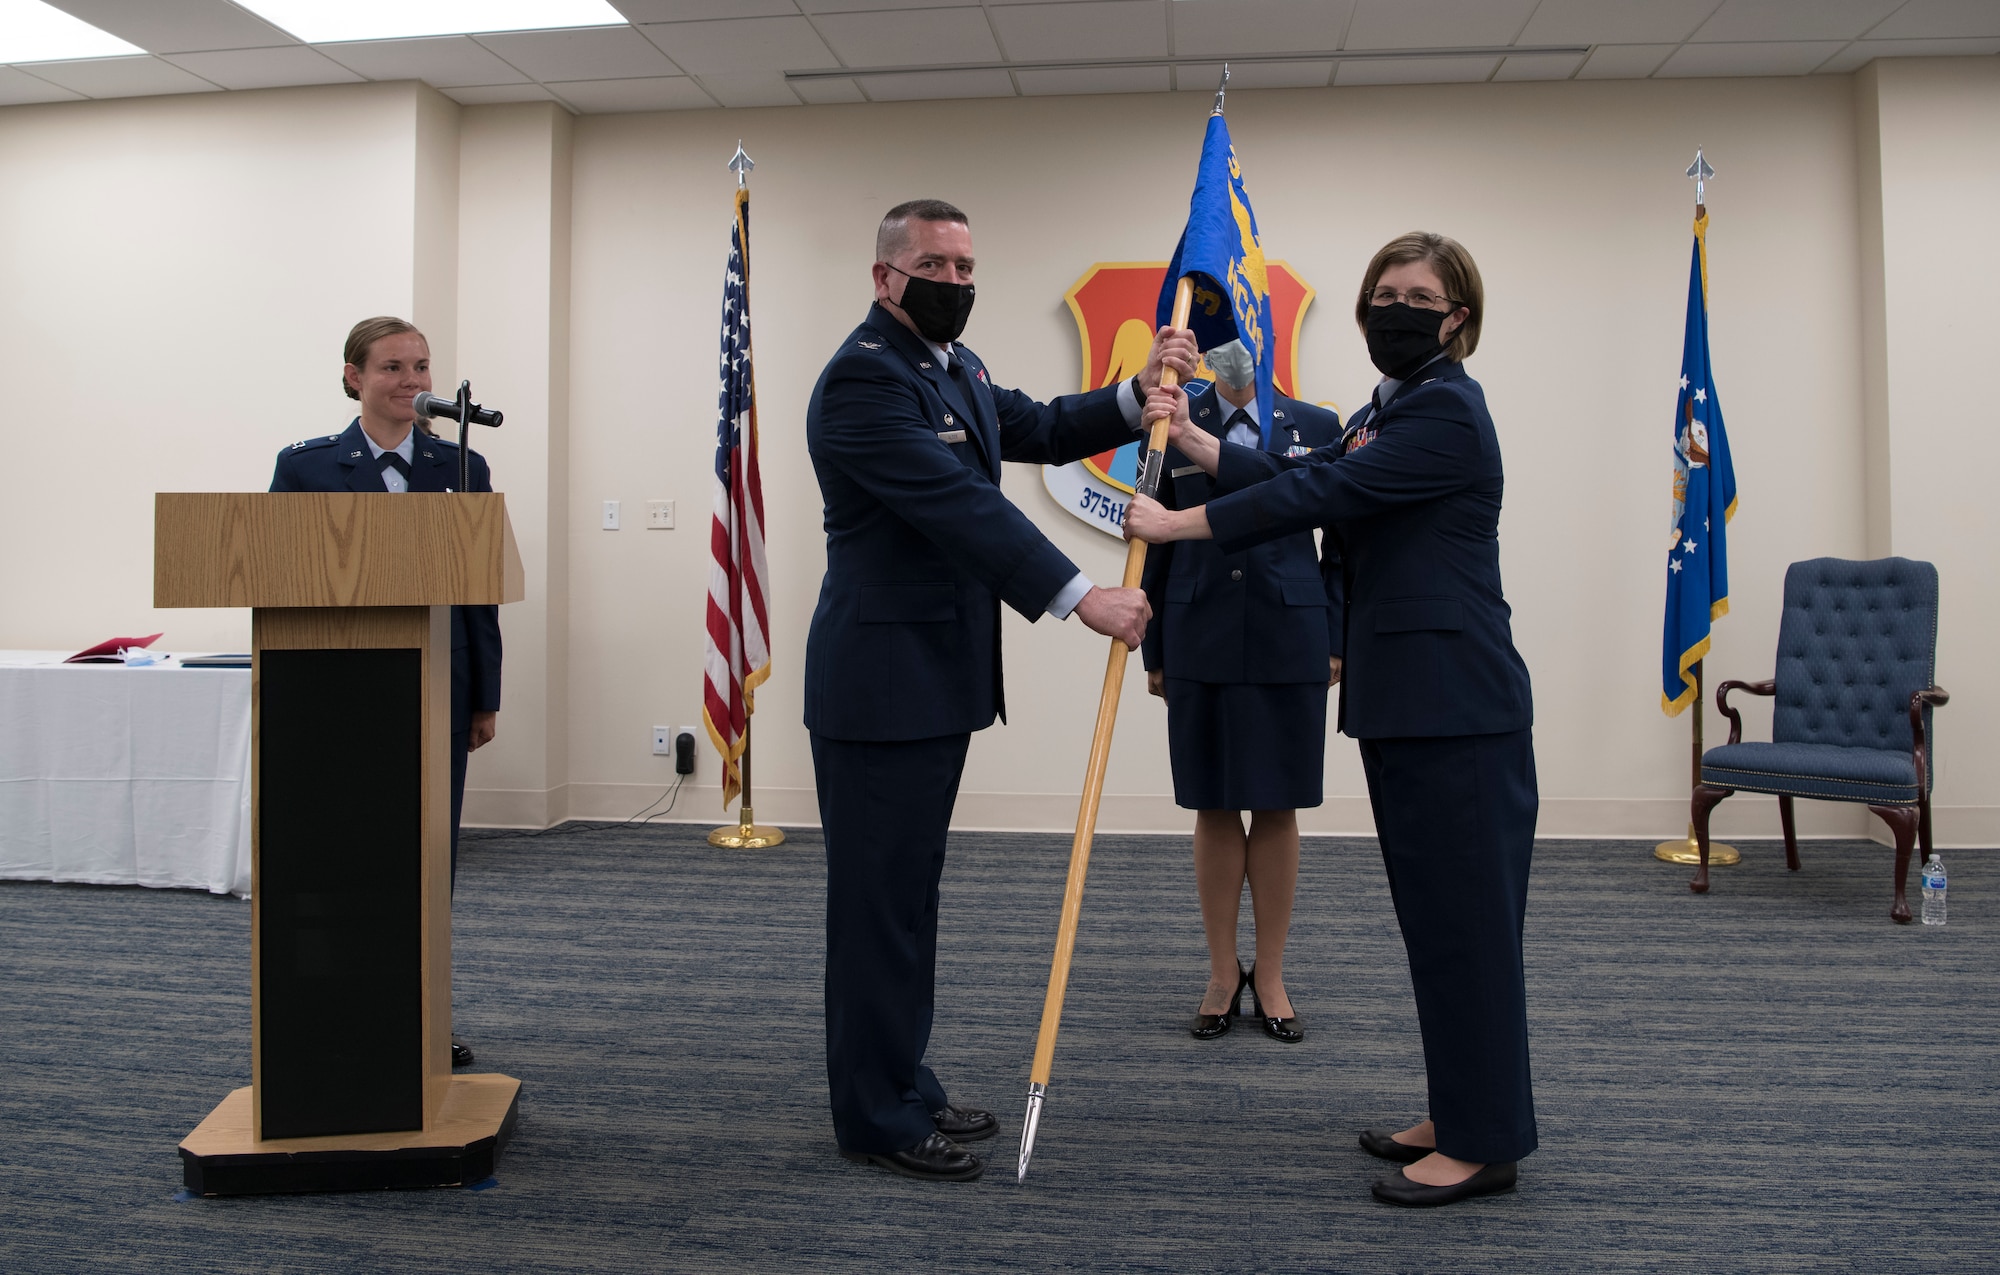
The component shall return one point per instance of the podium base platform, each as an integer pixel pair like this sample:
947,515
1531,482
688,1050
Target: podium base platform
221,1158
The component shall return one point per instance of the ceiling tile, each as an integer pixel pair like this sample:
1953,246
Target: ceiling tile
1770,20
584,53
122,77
747,44
1790,57
1615,21
441,61
1539,66
178,26
655,93
1415,71
1202,77
855,6
918,37
265,68
1435,24
827,92
488,94
18,88
749,88
1624,61
1257,26
1094,79
1100,29
926,85
1939,19
1862,52
638,11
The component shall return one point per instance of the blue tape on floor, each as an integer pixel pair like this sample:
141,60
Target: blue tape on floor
484,1184
183,1195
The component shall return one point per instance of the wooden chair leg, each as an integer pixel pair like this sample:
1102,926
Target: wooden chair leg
1705,797
1904,821
1791,833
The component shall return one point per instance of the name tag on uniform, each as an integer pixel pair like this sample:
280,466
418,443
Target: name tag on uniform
1185,471
951,436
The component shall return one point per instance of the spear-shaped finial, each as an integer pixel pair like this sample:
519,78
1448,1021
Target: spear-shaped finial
1220,89
1701,172
740,163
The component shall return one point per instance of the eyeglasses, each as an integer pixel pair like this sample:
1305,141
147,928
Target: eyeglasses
1421,298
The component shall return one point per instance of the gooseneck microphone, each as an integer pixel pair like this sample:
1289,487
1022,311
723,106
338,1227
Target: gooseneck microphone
429,404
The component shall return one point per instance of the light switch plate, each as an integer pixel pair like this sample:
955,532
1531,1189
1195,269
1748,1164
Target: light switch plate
611,515
659,515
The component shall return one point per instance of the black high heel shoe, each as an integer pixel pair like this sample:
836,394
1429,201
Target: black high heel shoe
1287,1030
1209,1026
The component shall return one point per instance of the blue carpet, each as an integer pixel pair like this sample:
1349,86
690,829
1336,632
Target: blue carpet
1771,1078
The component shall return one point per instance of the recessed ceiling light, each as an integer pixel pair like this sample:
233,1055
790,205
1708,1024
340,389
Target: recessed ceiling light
31,31
330,21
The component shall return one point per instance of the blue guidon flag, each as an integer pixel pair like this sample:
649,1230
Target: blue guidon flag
1220,250
1704,501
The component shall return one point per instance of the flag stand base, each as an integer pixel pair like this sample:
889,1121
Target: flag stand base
1688,850
748,834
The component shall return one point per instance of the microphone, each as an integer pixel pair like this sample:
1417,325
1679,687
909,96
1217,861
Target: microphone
429,404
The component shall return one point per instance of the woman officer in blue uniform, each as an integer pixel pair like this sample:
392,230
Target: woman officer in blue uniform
1433,690
1243,647
387,363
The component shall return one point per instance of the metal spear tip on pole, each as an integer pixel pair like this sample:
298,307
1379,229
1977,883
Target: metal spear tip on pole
740,163
1700,172
1221,89
1035,1095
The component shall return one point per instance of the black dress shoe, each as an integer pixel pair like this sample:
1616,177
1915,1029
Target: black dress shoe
461,1055
1209,1026
936,1159
1491,1180
965,1124
1383,1147
1288,1030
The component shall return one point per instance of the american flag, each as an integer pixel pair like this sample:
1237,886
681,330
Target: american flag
738,657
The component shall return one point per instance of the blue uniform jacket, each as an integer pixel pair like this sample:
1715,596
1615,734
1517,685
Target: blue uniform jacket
1269,613
921,546
342,462
1430,646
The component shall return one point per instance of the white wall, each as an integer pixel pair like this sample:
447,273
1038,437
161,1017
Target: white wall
191,259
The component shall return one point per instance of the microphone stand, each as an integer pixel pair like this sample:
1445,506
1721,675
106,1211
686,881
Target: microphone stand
464,439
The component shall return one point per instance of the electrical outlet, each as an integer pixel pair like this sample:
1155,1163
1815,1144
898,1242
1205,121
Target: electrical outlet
663,741
659,515
611,515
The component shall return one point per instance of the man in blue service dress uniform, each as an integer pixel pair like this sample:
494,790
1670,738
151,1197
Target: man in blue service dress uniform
382,450
906,433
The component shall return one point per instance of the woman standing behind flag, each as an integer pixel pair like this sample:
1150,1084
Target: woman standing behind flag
1433,691
1243,647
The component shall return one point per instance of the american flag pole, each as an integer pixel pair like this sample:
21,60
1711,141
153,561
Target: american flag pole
738,655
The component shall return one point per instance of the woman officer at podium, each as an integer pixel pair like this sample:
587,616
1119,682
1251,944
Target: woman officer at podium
386,448
1432,689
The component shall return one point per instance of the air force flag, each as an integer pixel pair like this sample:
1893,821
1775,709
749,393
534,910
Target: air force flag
1704,501
1220,249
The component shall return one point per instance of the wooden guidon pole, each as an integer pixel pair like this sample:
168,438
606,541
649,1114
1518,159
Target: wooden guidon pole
1093,781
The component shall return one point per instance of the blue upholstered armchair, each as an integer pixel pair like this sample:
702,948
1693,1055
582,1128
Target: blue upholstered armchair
1857,650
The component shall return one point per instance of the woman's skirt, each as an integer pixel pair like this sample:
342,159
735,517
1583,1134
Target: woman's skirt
1247,745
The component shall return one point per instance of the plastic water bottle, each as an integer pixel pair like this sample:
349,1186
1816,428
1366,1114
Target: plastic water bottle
1933,881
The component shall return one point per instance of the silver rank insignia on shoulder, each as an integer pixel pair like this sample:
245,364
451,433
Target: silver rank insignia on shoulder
925,366
352,454
429,456
869,345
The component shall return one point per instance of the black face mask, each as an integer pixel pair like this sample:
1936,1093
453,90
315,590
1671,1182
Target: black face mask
1402,338
939,310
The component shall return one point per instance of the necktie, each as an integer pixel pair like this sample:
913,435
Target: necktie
390,460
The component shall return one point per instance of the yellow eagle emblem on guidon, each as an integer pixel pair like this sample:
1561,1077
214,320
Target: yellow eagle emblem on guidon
1114,304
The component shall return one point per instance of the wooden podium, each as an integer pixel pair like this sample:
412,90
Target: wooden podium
350,939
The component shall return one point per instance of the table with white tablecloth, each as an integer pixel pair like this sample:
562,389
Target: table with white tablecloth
116,775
